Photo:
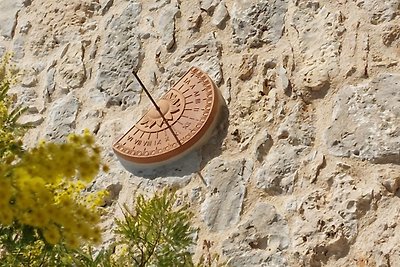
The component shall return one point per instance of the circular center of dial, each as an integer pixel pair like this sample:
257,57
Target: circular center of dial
164,105
171,106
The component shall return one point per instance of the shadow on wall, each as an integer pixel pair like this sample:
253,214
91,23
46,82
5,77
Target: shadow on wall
194,161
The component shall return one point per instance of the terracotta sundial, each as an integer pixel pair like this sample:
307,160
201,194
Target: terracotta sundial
176,124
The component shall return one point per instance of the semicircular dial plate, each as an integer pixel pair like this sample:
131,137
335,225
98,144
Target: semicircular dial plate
189,107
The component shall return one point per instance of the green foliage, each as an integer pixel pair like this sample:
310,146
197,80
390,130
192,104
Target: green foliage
156,234
87,258
11,131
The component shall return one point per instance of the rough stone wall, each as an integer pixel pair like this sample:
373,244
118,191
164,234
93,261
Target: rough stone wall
305,167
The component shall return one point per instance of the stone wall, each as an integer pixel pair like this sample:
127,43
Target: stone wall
304,169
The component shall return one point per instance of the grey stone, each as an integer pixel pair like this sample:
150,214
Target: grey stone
256,23
261,239
71,72
91,119
328,223
159,4
262,144
194,18
278,173
320,60
365,121
106,5
18,47
50,84
380,11
314,164
166,25
31,119
391,34
209,5
389,178
120,56
8,16
220,15
205,54
282,82
297,127
26,97
29,79
61,118
226,180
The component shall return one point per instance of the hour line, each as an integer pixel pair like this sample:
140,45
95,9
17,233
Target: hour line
190,118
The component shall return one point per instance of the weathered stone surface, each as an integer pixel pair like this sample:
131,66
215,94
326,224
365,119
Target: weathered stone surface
19,48
106,5
121,54
314,164
71,71
61,118
297,127
261,239
391,34
366,121
380,11
50,84
63,23
31,119
278,173
25,27
226,180
209,5
159,4
220,15
27,97
256,23
30,78
8,16
246,68
321,58
166,25
204,54
193,17
282,82
327,225
262,144
389,178
91,119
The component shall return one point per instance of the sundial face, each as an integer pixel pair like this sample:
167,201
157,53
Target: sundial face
188,113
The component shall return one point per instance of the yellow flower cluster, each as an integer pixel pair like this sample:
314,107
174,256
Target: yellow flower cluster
44,190
10,133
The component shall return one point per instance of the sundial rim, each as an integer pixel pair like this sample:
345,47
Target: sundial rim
191,108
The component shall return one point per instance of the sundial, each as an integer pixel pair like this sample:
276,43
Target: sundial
179,122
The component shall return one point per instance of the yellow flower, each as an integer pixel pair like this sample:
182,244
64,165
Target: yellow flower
72,242
6,215
52,234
